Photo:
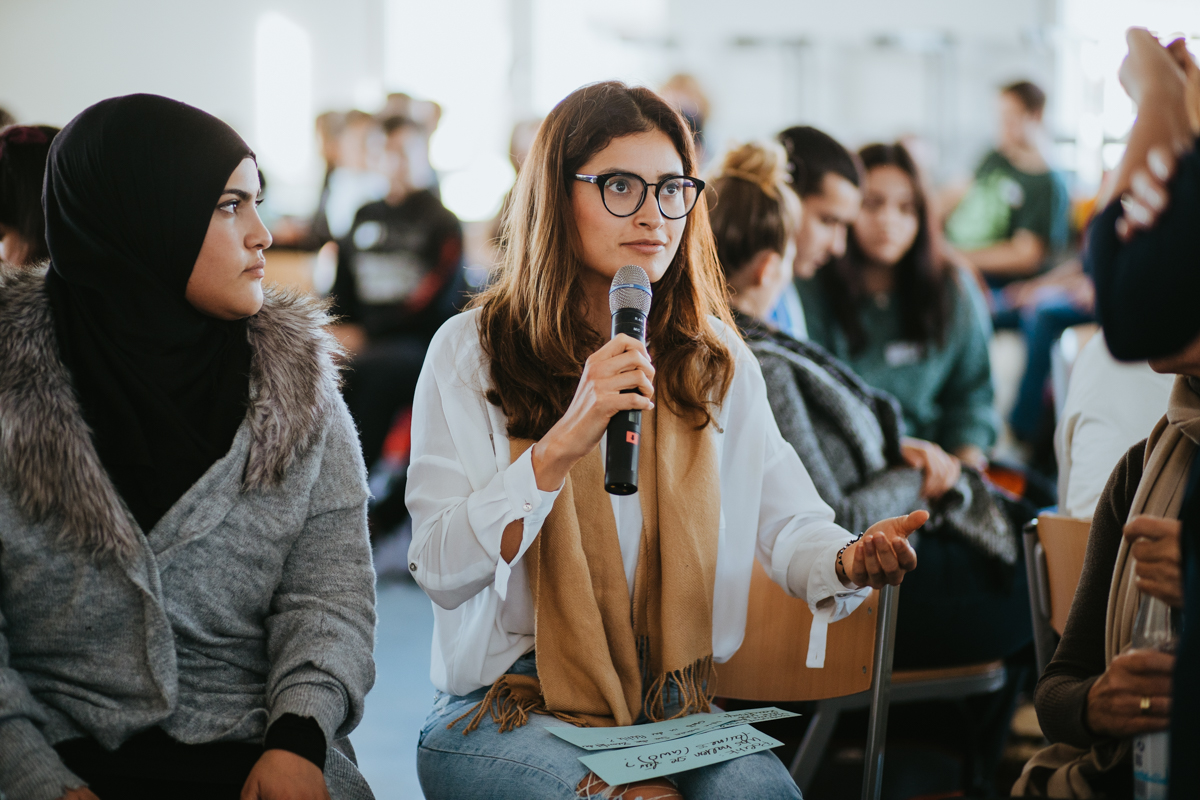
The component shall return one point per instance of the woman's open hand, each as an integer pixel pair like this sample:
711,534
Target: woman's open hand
883,555
1154,543
1114,703
283,775
621,364
941,469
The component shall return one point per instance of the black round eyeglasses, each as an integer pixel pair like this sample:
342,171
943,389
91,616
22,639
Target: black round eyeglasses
623,193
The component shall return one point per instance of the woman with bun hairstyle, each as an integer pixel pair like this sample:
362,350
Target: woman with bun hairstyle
186,592
555,602
23,151
903,318
968,602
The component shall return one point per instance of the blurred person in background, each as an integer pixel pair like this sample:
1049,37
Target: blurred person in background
312,233
904,318
6,118
968,602
519,144
358,177
188,601
23,153
1144,252
1010,223
398,279
826,176
1013,215
684,92
426,115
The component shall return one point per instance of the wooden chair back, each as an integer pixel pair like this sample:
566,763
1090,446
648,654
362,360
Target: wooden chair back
770,665
1064,541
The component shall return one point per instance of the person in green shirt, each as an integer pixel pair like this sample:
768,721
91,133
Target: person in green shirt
1012,219
903,318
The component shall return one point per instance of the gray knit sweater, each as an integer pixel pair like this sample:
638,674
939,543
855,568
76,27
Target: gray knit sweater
251,598
848,436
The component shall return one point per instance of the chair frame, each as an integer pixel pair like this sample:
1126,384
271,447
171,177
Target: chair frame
1045,640
883,692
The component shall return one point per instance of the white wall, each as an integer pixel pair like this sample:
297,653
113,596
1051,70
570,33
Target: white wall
863,70
59,56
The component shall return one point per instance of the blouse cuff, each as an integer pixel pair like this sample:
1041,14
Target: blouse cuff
835,600
525,501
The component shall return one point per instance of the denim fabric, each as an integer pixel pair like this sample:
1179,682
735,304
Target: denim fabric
531,762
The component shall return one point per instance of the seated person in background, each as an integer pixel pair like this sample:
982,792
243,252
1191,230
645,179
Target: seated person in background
23,152
1042,308
1096,693
397,281
1109,407
903,318
968,603
1013,215
826,176
357,178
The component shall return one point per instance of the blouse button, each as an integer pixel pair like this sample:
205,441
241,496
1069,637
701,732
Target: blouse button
528,506
412,566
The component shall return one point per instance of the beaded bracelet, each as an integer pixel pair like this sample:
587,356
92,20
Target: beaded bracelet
839,555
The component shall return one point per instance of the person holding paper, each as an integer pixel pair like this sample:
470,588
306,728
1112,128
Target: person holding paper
553,601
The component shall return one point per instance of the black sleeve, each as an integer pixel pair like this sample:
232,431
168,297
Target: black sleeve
1147,290
300,735
1061,694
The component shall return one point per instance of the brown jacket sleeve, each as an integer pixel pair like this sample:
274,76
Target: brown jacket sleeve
1061,694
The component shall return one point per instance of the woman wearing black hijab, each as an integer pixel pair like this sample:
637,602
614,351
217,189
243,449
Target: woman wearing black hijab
186,592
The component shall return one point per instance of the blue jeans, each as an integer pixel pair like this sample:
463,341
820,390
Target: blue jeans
531,762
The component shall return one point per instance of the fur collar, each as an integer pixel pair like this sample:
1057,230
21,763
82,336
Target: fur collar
47,461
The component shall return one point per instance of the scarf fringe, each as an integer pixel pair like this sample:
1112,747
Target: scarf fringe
695,683
509,710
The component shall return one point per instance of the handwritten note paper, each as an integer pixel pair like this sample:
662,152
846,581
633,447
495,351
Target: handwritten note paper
657,732
648,761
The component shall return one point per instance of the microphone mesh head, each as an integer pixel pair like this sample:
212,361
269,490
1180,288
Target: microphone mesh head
630,289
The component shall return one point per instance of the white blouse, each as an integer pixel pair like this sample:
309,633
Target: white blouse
462,491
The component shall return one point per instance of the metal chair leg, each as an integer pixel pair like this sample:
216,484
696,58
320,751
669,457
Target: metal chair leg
881,688
812,746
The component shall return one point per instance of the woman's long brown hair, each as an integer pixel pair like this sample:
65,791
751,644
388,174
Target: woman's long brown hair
532,326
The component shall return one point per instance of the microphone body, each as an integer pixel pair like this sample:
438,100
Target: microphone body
629,302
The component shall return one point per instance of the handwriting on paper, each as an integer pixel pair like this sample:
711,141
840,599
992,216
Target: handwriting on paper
655,732
698,750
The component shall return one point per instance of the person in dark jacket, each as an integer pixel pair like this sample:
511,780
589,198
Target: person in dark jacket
1144,253
967,601
186,592
399,277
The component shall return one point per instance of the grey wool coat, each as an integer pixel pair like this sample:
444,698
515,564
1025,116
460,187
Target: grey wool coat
251,598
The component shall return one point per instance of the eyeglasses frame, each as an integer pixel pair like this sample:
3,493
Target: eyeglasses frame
600,180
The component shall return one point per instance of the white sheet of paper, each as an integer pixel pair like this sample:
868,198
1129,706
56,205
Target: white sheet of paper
656,732
699,750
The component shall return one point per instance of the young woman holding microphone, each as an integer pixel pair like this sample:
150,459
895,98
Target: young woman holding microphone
553,599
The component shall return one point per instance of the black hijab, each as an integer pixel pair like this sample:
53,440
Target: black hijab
131,186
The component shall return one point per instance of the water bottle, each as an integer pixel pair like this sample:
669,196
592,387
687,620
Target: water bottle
1154,628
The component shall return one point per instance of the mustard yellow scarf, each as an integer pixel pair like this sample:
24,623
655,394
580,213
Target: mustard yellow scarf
601,660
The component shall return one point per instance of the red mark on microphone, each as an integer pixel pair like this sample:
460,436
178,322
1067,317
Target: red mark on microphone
631,437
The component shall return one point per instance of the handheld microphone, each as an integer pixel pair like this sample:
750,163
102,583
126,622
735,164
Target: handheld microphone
629,303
